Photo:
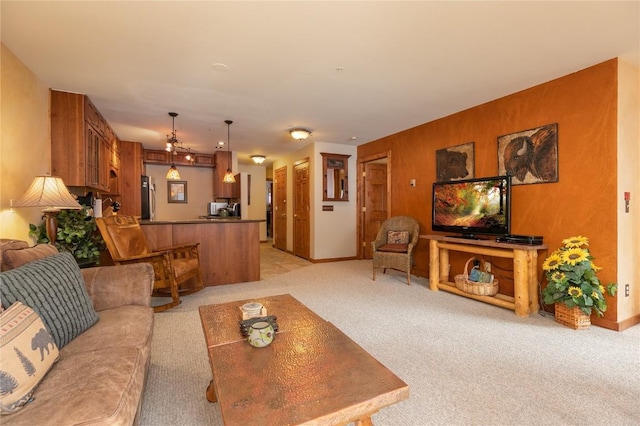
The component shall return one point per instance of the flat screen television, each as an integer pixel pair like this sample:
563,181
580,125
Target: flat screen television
473,206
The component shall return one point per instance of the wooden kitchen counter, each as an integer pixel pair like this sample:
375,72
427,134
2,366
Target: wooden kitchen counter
229,248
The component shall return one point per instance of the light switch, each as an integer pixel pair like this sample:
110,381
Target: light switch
627,198
412,183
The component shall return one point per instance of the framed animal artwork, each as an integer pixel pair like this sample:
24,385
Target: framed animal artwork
455,163
529,156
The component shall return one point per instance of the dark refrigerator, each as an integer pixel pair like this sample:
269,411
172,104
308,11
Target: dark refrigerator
148,198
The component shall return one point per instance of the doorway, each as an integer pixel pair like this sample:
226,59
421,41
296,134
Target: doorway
269,206
280,209
374,199
301,210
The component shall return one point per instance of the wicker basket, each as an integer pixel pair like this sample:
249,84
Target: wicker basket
481,289
572,317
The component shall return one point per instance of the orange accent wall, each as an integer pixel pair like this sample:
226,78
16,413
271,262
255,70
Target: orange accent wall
582,202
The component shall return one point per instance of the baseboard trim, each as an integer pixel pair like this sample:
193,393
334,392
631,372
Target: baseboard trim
628,323
335,259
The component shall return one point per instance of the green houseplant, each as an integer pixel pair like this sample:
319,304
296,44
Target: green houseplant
77,234
572,279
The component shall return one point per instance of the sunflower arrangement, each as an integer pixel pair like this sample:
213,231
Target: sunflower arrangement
572,278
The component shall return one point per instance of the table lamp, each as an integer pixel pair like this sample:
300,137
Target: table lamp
51,193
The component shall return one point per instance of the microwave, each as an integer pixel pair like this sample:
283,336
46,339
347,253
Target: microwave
213,207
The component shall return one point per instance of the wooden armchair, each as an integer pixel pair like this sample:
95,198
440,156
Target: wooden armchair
173,266
396,253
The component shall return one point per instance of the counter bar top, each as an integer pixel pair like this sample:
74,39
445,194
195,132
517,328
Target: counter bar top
201,220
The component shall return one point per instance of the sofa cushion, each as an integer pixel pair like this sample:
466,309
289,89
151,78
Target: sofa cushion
15,258
9,244
54,288
394,248
398,237
27,351
102,387
128,325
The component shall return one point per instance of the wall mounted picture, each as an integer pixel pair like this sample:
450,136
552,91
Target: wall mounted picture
455,163
177,191
530,156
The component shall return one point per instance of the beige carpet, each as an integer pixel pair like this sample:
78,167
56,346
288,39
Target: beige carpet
466,362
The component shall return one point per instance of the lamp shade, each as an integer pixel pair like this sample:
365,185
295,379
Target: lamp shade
228,177
49,192
172,173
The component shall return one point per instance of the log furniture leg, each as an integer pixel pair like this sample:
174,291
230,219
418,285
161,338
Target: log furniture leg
211,392
434,265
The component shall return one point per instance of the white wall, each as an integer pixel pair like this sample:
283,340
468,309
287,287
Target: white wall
333,234
335,231
258,207
628,181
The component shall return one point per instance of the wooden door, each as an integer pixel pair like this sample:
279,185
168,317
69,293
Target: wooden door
280,209
375,203
301,208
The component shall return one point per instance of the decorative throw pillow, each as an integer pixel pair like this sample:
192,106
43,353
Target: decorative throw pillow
54,288
398,237
9,244
27,351
16,258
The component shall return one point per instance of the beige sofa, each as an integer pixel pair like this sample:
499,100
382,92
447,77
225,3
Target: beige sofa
99,376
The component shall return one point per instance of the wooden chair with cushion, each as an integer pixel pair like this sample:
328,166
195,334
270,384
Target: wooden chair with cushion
172,266
394,245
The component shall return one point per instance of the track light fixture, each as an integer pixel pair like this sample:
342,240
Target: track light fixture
172,173
174,146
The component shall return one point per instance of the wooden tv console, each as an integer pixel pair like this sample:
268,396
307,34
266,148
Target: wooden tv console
525,270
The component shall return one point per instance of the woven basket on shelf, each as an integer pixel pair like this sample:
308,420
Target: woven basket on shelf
481,289
572,317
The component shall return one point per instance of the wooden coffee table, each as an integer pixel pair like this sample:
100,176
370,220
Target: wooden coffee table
312,373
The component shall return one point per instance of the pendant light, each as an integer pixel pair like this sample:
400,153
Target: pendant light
173,173
228,177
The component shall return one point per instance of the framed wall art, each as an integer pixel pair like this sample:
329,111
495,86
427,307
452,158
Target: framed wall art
455,163
177,191
530,156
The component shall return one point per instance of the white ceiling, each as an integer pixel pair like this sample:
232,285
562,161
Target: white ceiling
342,69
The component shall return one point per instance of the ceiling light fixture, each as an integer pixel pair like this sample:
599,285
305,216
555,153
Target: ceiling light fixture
258,159
228,177
172,142
299,134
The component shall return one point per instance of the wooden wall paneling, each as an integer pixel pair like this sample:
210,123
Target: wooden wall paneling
582,202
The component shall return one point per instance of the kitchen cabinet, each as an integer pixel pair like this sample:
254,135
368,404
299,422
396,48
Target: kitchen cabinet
221,189
131,168
157,156
84,148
